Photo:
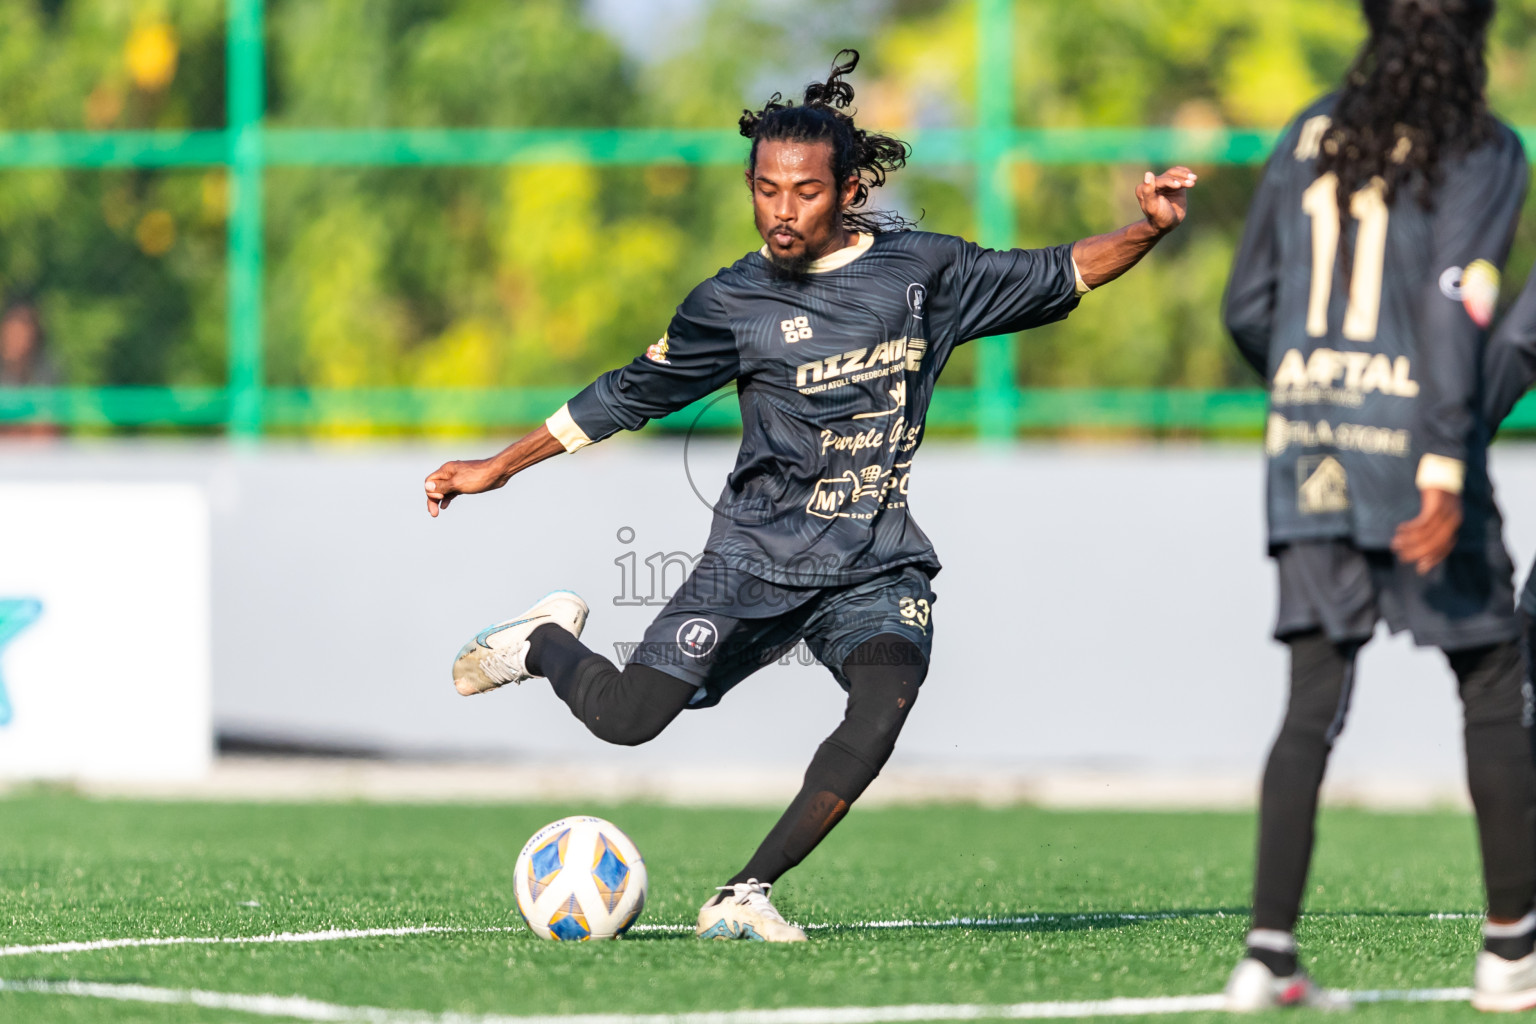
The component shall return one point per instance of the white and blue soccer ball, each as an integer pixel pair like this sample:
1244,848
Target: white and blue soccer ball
580,878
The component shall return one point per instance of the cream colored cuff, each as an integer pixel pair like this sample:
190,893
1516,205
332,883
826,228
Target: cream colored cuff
1440,473
565,430
1082,286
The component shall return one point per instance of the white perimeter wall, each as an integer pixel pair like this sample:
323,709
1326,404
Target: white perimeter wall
1102,608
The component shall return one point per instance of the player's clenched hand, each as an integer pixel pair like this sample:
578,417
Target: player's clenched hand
1162,197
456,478
1425,540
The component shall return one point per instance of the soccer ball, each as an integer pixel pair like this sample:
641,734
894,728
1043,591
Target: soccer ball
580,878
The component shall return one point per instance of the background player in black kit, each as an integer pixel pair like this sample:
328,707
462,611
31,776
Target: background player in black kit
834,333
1362,290
1509,368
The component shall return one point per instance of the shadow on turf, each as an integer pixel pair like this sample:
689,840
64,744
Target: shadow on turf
994,922
1046,922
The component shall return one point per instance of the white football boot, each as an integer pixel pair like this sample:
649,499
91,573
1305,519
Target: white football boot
1503,986
742,911
497,655
1254,987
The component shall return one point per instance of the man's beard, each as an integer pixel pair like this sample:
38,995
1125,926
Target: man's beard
790,268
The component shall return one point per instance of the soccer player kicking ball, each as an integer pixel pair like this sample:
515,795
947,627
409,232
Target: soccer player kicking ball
1362,290
834,332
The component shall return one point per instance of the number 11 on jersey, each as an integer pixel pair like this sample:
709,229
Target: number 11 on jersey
1369,207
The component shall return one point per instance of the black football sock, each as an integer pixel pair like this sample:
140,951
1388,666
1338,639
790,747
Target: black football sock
884,675
1500,773
1511,941
554,653
628,708
1322,676
1275,950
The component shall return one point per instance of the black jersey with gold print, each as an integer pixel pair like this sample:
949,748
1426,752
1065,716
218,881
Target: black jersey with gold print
834,371
1374,367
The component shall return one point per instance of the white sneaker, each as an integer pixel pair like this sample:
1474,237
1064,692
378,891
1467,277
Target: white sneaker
497,655
1254,987
742,911
1502,986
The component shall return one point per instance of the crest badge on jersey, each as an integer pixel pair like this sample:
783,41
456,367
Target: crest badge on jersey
1476,287
917,299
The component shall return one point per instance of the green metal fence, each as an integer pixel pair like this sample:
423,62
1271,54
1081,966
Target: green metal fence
246,407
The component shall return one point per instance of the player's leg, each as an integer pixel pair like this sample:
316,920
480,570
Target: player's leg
627,707
883,675
875,638
689,657
1502,781
1322,678
1528,650
1328,608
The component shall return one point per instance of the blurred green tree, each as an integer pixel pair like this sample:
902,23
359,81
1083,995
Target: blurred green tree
546,275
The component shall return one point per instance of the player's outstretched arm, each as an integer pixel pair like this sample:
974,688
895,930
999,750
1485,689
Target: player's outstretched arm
1163,199
476,475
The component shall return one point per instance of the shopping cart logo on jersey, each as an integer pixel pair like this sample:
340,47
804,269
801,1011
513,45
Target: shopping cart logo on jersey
858,494
16,614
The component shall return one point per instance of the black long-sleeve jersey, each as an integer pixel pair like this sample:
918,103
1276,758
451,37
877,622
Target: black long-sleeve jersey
834,371
1375,375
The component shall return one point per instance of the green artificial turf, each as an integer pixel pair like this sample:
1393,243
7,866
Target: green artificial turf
74,869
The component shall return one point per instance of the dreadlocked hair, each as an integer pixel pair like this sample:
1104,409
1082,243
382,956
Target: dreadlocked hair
824,117
1414,97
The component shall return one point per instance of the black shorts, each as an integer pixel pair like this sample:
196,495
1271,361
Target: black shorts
1466,601
695,642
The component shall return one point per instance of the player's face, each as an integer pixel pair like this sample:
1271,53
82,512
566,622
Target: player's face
798,207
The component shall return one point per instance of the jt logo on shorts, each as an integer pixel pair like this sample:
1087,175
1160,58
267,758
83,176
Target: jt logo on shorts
697,637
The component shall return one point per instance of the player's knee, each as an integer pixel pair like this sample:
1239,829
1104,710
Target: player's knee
886,717
878,712
637,706
1321,678
1495,689
627,734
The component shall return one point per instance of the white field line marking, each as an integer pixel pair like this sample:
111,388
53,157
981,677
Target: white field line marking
328,935
300,1008
339,934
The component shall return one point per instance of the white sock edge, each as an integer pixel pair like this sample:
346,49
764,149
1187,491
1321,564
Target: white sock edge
1524,926
1274,941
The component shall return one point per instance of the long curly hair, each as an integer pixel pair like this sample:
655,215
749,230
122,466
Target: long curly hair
1414,97
824,117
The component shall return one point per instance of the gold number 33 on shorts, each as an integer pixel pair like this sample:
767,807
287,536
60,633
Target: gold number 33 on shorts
914,611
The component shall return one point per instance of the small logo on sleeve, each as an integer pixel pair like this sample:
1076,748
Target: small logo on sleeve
657,353
917,298
1476,288
798,329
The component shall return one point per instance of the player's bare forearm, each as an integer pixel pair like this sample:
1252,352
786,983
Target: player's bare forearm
476,476
1103,258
